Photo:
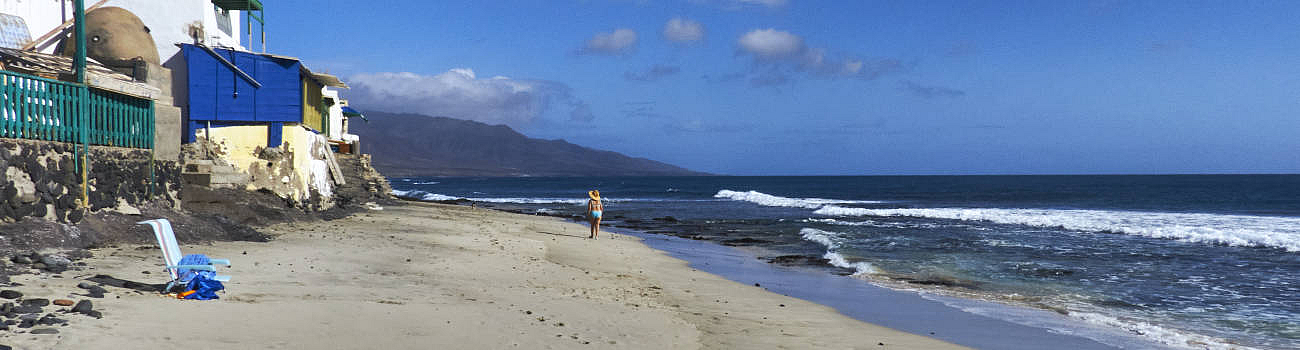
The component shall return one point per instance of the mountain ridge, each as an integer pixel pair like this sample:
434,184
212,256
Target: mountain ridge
406,144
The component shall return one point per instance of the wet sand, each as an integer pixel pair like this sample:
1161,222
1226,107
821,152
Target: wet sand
422,276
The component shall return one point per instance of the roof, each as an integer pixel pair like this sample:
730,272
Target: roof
52,66
322,78
242,5
328,80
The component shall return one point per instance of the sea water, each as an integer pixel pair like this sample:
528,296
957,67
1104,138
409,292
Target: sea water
1194,261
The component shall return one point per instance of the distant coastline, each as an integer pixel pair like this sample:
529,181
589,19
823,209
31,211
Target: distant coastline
408,145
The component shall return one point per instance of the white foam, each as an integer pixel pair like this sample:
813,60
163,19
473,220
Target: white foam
764,199
828,239
426,196
819,236
1125,333
428,183
421,195
1233,230
1158,334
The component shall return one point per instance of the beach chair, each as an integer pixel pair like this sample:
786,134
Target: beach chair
162,229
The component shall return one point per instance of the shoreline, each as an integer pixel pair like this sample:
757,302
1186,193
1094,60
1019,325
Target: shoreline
923,312
418,274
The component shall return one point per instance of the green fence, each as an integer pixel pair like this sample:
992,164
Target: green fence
37,108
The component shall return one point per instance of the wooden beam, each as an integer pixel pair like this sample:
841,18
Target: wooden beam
60,28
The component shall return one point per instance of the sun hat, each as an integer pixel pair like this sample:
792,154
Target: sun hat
594,194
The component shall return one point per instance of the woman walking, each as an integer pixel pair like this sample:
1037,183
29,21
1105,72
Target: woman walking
594,207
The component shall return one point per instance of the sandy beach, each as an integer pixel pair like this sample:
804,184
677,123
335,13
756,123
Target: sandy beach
421,275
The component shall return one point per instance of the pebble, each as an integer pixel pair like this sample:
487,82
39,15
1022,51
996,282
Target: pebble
84,307
50,320
63,302
45,331
55,260
10,294
26,309
36,302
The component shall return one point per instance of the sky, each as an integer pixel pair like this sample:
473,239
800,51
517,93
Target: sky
815,87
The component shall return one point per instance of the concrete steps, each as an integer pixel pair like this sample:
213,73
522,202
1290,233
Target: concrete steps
207,173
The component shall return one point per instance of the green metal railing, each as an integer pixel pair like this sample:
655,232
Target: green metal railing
37,108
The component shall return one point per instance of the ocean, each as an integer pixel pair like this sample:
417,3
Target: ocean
1185,261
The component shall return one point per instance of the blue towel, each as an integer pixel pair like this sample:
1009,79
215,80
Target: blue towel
185,275
204,288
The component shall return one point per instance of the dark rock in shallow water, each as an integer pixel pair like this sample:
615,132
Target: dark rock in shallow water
797,260
743,241
10,294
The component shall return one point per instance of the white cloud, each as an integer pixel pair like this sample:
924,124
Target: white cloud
781,49
771,43
683,30
619,41
459,93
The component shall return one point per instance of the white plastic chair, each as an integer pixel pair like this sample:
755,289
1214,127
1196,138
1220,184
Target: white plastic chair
162,229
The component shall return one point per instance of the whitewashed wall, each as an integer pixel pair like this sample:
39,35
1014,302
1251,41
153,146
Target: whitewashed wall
41,15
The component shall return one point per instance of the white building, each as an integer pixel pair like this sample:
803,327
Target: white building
169,21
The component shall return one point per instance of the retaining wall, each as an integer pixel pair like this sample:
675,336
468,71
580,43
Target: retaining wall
40,179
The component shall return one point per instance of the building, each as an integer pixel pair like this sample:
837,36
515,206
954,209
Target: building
229,115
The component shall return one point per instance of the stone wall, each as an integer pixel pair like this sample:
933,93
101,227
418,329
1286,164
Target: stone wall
40,179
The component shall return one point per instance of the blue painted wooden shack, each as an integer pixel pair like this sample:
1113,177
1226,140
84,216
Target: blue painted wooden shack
264,90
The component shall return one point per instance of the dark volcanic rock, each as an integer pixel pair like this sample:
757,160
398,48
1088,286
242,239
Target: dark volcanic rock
50,320
83,307
10,294
45,331
36,302
743,241
26,309
797,260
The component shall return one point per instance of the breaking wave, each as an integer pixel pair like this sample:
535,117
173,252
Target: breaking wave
1232,230
829,239
764,199
426,196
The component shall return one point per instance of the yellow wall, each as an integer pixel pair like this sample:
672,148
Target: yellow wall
299,144
311,105
239,146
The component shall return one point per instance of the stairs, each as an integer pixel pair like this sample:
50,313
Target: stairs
205,173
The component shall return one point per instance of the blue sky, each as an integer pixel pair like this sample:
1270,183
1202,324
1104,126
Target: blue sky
803,87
